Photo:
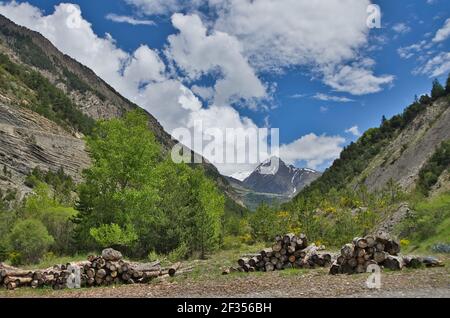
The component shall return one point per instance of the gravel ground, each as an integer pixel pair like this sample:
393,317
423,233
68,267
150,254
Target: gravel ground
431,282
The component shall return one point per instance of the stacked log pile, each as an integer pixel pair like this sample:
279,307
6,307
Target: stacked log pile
107,269
381,250
288,251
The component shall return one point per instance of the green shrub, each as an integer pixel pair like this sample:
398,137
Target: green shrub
262,223
180,253
112,235
55,216
153,256
15,258
30,238
3,250
231,242
423,222
429,174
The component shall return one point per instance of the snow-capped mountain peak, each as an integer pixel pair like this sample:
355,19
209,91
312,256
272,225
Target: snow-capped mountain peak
275,176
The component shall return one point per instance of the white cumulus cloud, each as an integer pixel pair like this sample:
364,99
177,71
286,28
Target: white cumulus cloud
142,75
401,28
275,35
165,7
443,33
354,131
338,99
357,78
126,19
314,149
437,66
198,53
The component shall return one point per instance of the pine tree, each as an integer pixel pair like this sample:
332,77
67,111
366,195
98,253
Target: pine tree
437,90
447,87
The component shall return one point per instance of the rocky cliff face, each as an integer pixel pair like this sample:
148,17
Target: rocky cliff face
89,92
28,140
402,159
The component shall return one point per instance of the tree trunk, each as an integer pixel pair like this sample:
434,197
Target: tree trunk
334,269
370,239
173,269
412,262
242,261
379,257
361,243
288,238
393,262
269,267
392,247
277,247
347,251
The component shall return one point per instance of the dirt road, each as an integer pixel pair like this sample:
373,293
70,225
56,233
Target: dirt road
433,282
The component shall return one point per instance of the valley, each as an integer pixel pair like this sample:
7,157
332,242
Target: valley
82,169
273,188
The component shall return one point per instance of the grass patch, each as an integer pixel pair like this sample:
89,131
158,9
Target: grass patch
293,272
442,235
428,225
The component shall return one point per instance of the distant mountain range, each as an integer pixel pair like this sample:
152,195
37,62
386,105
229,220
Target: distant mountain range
271,185
286,180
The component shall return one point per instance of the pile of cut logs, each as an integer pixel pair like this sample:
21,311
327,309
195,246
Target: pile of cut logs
107,269
378,249
288,251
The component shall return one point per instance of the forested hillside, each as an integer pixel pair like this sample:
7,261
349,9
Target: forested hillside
36,76
417,132
403,161
70,182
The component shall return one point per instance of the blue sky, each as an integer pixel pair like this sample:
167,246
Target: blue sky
295,84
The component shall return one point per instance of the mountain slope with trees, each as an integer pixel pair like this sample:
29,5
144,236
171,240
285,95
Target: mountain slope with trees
36,77
396,151
63,171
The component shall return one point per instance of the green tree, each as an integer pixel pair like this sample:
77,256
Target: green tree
438,90
131,185
112,235
118,187
447,86
262,223
207,210
305,209
56,217
30,239
7,220
430,173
